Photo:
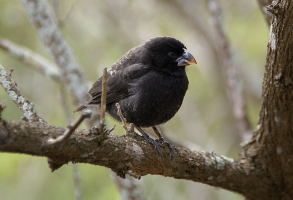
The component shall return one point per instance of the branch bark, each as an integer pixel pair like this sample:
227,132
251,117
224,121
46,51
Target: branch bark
22,103
132,155
271,146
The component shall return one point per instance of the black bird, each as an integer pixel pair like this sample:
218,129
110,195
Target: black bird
149,82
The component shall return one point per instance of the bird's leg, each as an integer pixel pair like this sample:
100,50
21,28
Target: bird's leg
155,144
161,139
165,143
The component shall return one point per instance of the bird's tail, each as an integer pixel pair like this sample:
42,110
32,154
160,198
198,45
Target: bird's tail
80,108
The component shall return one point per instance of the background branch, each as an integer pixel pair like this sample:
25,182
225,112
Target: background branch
23,104
30,58
75,171
47,27
77,182
233,83
130,188
193,20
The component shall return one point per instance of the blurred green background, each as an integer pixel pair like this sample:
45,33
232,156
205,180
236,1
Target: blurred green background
100,32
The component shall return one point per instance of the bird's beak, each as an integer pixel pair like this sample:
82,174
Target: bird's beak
186,59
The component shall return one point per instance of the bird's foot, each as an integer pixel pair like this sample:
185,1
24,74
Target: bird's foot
167,144
155,144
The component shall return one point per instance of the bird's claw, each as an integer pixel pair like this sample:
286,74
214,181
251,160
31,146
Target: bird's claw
155,144
167,144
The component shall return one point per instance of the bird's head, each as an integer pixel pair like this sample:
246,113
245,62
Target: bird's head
168,54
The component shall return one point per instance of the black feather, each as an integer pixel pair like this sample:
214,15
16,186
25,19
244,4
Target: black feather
147,82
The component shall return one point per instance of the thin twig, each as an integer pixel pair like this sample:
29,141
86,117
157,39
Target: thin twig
22,103
70,129
123,120
10,72
31,59
62,20
77,181
129,187
233,82
103,101
131,127
55,4
4,134
2,106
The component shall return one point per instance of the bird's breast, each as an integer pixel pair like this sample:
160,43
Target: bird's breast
156,99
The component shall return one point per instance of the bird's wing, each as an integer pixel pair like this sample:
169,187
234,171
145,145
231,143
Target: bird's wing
119,84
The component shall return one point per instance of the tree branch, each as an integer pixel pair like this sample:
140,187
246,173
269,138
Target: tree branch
196,24
72,76
23,104
70,129
30,58
123,120
103,100
77,183
271,147
75,172
124,154
130,188
233,82
48,30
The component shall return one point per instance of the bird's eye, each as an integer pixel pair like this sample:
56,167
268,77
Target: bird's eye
171,54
